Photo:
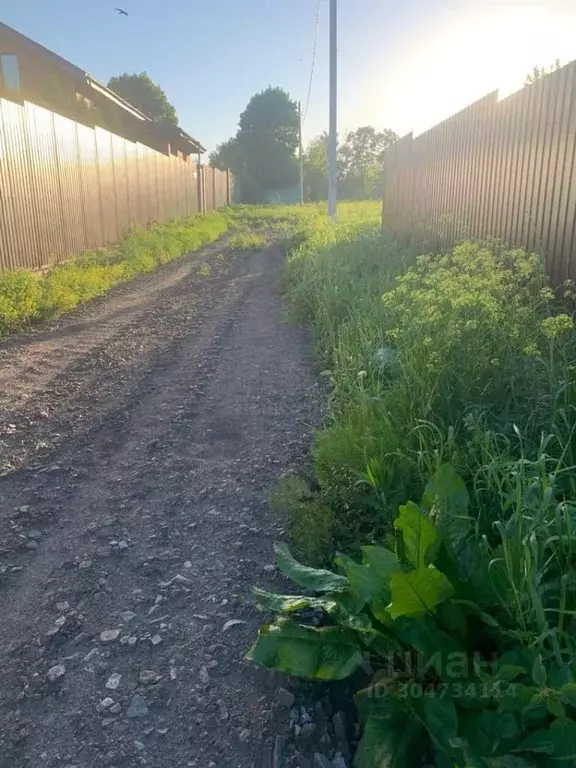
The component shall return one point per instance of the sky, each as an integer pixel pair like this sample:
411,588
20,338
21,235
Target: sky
404,65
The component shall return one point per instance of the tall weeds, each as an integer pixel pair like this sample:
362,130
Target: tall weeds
454,357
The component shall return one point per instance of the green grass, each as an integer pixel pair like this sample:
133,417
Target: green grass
26,297
458,357
246,241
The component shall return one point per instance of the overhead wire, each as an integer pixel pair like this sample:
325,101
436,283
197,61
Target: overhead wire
316,34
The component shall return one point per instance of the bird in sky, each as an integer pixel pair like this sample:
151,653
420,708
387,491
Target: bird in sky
121,11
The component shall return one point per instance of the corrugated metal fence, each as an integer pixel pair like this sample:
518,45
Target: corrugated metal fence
503,169
66,187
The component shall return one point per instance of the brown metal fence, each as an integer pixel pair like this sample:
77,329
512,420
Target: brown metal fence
503,169
66,187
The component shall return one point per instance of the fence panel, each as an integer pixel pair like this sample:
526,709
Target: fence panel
504,169
66,187
566,242
15,183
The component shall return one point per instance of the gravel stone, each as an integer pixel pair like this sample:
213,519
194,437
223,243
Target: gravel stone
148,676
113,681
138,707
285,698
56,672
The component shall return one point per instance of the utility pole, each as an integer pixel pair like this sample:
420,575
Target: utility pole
333,139
300,154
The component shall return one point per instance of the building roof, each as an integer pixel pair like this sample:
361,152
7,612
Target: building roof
170,132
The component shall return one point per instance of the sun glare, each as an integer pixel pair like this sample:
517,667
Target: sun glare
457,60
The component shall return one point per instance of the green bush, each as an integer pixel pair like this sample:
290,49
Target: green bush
466,644
19,300
438,358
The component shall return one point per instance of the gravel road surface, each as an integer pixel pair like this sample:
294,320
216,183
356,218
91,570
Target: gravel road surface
139,439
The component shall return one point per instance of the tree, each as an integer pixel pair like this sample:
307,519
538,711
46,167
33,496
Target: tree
268,135
230,154
538,73
262,154
145,95
360,159
316,169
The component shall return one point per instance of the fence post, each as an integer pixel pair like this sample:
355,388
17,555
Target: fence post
204,207
228,188
200,186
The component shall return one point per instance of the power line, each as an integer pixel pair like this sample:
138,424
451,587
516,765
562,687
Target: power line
313,61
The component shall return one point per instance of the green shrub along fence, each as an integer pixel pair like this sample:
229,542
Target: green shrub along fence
27,296
446,479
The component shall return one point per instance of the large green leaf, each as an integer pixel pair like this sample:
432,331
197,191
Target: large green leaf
316,579
425,636
441,720
418,592
381,560
509,761
446,492
396,742
540,742
558,741
376,701
342,606
290,603
370,579
365,582
420,538
327,653
453,618
487,729
446,500
563,733
517,699
569,691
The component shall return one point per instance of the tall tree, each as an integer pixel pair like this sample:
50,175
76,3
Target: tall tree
262,154
144,94
268,135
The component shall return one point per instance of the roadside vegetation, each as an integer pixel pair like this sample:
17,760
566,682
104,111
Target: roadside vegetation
437,547
26,297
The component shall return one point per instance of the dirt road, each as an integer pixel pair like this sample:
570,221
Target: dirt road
139,438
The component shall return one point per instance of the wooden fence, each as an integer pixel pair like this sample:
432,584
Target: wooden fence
66,187
505,169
